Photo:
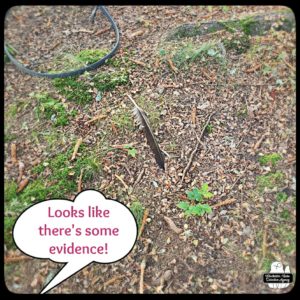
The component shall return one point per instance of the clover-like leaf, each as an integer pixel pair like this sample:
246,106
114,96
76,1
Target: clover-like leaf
183,205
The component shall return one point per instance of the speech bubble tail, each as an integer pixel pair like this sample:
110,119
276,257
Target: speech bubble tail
67,271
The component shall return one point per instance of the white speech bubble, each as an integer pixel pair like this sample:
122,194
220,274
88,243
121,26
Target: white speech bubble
89,229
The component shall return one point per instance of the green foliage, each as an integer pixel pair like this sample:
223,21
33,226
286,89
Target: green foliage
123,120
238,42
131,150
225,8
138,211
90,56
11,50
73,89
269,180
272,158
108,81
285,214
53,110
281,197
209,128
196,195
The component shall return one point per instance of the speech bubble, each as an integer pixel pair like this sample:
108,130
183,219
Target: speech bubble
89,229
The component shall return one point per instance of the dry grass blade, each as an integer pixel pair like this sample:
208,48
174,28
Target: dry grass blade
99,117
14,259
172,66
122,181
112,280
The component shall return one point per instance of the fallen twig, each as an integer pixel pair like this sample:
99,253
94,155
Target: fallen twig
13,153
78,143
143,266
139,177
122,181
14,259
253,68
21,171
79,186
145,216
172,225
289,65
193,115
172,66
102,31
258,143
99,117
137,62
22,185
196,148
225,202
112,280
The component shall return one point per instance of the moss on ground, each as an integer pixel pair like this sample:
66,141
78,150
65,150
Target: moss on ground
58,181
270,180
272,159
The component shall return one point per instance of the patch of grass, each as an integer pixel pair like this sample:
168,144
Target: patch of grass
109,81
138,211
73,89
285,214
12,110
266,264
287,239
152,111
269,180
52,109
123,120
131,150
238,42
9,137
90,56
272,159
281,197
243,112
190,53
196,195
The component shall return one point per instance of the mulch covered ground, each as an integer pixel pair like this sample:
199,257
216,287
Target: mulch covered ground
251,97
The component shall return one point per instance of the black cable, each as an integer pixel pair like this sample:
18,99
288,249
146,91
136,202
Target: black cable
92,66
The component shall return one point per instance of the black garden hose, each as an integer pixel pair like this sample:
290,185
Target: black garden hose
92,66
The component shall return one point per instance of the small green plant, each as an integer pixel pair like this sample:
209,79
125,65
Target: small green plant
138,211
269,180
196,195
281,197
225,8
285,214
209,128
270,158
131,150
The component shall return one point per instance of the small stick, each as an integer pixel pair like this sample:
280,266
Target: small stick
137,62
78,143
112,280
80,182
139,177
172,66
122,181
143,266
196,148
102,31
21,171
290,66
22,185
14,259
146,213
13,153
258,143
99,117
253,69
225,202
172,225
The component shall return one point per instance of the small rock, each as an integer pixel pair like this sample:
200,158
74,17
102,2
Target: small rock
167,275
176,93
223,212
155,184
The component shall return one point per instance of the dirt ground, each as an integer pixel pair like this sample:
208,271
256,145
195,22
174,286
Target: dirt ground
251,93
